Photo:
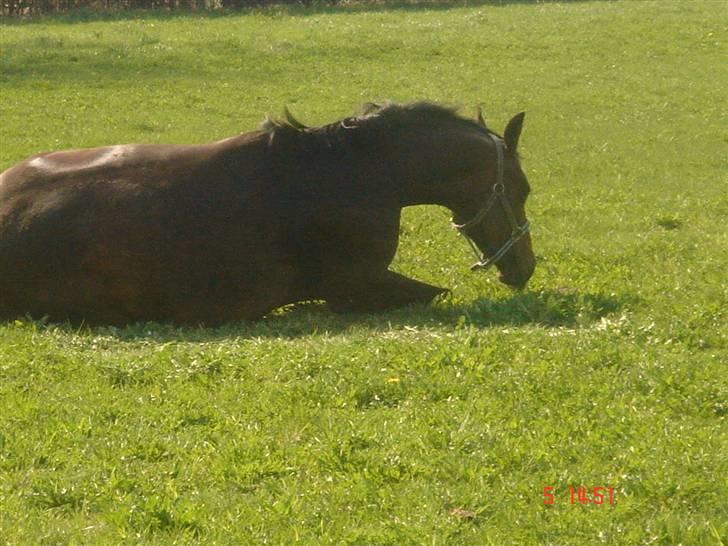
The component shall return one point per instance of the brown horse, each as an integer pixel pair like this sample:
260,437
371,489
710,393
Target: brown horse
225,231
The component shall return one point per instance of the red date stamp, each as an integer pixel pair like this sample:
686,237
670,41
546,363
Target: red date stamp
597,495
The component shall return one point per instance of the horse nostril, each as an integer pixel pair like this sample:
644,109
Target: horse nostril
531,269
527,267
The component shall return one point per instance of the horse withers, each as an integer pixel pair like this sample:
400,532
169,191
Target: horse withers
207,234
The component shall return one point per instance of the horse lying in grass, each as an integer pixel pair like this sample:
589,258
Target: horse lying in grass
226,231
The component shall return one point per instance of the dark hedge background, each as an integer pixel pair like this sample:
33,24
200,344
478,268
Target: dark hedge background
37,7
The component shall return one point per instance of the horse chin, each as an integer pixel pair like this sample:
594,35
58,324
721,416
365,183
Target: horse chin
511,282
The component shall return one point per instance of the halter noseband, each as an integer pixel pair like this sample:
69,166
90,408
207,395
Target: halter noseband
498,193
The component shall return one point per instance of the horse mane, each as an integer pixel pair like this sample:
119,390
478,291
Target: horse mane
372,119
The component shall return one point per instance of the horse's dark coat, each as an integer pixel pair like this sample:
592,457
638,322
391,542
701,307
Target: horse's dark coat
233,229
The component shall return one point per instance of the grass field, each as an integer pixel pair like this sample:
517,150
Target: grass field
429,425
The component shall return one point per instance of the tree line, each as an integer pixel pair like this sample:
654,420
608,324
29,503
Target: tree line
40,7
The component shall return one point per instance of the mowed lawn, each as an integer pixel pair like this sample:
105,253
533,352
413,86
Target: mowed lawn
429,425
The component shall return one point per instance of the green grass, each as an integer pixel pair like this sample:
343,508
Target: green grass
428,425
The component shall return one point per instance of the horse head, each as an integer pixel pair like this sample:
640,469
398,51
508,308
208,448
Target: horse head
492,214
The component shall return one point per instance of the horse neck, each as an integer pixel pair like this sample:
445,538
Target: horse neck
429,166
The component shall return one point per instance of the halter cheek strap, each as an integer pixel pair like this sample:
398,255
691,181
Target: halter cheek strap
498,194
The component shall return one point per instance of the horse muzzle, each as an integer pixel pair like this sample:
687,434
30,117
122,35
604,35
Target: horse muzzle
517,272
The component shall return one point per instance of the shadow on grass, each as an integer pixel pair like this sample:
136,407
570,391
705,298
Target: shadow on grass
546,308
275,10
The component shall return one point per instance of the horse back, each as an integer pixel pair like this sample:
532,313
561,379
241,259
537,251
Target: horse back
125,231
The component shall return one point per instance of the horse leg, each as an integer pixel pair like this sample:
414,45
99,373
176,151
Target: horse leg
379,292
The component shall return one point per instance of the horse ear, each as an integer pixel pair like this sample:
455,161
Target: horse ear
513,131
481,119
293,122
